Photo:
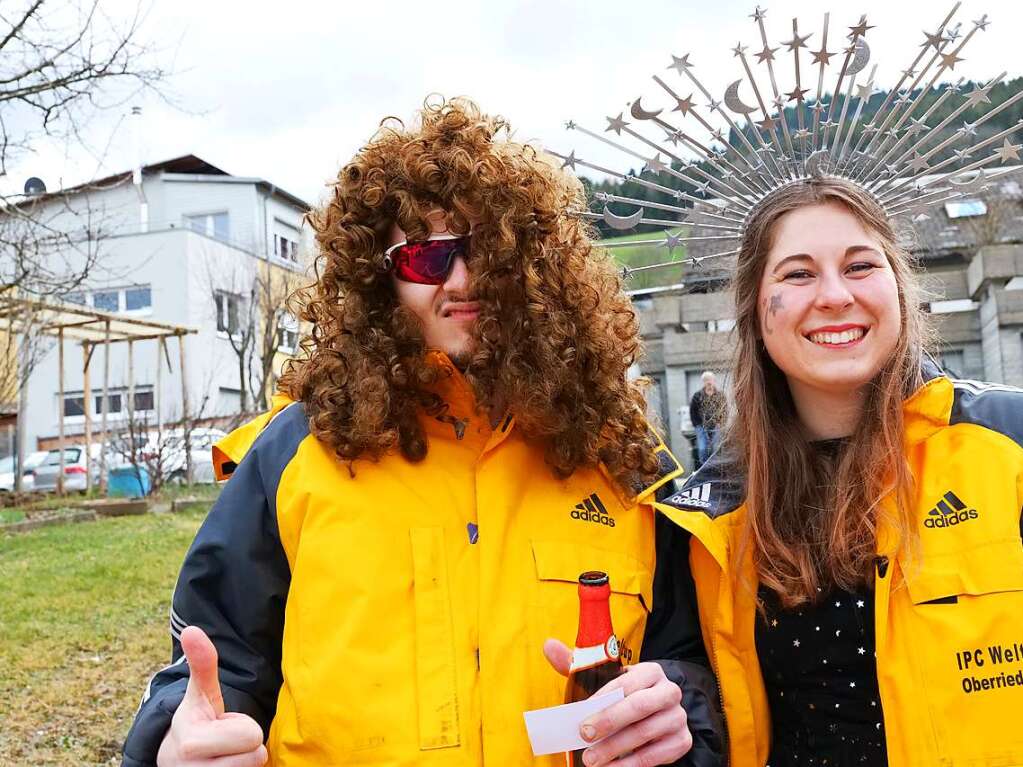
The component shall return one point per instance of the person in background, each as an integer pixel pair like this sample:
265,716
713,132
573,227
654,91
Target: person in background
403,533
707,410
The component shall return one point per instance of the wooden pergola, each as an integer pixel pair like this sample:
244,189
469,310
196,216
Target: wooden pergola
92,328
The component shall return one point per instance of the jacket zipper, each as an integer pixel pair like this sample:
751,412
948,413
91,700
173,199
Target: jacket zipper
717,676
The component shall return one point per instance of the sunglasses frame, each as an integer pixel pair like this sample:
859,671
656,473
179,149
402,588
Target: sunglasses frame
388,261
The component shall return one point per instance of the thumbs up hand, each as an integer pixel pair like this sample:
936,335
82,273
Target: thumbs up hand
201,733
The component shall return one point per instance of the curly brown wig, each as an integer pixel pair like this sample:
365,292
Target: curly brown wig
555,335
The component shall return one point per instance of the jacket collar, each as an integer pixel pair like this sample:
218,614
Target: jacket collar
929,408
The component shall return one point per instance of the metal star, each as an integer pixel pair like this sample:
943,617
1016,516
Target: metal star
937,40
655,164
823,56
796,41
978,96
918,164
570,125
819,107
864,92
766,55
954,87
955,33
680,65
909,74
949,60
1008,151
717,134
962,154
767,124
758,14
828,124
713,105
615,123
905,98
672,241
570,161
801,134
968,129
916,126
703,187
739,49
860,29
779,103
796,94
981,23
684,105
674,136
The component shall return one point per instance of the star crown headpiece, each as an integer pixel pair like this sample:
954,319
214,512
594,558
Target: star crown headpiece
894,156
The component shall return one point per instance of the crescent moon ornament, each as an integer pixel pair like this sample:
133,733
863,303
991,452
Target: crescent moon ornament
733,102
637,111
860,59
621,223
815,160
968,180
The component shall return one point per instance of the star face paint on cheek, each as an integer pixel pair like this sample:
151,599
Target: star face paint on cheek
773,307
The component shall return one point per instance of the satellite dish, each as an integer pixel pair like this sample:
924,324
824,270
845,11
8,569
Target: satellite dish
34,186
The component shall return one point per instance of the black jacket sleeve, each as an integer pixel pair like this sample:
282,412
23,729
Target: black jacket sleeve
673,639
696,408
233,585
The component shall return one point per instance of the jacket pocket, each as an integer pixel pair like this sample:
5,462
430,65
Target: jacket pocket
960,655
436,682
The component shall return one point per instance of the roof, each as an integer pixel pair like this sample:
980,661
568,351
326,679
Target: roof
81,323
187,164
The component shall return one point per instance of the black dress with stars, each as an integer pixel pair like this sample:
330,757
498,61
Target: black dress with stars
820,671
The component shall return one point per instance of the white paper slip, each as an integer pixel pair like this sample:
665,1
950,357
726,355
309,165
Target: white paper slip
556,729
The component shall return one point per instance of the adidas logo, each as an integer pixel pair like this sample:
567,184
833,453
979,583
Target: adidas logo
949,511
696,497
592,509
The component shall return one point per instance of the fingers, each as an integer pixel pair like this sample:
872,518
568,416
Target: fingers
228,736
255,758
203,680
658,739
558,655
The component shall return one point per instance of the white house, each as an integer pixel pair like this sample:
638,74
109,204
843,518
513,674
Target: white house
182,244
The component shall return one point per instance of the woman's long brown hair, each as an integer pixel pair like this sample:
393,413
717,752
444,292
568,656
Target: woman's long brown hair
556,333
812,519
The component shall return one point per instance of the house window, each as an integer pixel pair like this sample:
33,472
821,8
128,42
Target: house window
285,241
113,406
965,208
107,300
74,406
216,225
287,327
136,299
228,305
144,401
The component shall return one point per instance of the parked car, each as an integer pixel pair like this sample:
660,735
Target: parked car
45,474
168,449
27,479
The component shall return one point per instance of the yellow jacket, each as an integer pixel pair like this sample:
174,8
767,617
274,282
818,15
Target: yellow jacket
396,615
949,616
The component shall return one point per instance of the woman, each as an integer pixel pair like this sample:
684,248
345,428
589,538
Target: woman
858,565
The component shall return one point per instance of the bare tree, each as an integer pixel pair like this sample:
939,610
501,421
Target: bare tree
250,305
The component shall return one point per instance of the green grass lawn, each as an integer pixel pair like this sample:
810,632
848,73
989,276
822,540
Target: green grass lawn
84,613
643,255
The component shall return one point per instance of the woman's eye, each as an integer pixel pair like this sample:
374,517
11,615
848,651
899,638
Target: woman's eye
862,266
798,274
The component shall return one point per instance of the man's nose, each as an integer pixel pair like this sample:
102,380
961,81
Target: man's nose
458,277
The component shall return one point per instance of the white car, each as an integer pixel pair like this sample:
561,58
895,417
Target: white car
168,449
27,478
45,474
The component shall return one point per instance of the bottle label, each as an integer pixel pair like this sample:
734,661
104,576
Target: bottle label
588,657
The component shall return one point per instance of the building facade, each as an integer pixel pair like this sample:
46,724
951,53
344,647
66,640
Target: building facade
187,244
970,256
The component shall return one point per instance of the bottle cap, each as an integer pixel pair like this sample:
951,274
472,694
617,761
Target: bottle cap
593,578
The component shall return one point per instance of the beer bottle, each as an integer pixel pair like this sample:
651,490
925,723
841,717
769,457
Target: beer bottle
595,658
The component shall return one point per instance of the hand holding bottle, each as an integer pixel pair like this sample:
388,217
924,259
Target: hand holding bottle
649,726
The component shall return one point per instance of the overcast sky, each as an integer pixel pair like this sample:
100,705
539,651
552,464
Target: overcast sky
288,91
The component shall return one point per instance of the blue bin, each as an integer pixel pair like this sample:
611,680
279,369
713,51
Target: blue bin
128,482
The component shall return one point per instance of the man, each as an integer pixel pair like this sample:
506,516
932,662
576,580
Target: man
403,532
707,412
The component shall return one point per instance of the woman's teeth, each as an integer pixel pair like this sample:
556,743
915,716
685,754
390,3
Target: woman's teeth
846,336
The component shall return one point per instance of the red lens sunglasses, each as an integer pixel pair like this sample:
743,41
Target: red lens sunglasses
427,262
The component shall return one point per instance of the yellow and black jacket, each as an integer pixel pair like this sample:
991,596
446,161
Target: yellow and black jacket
396,615
949,615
